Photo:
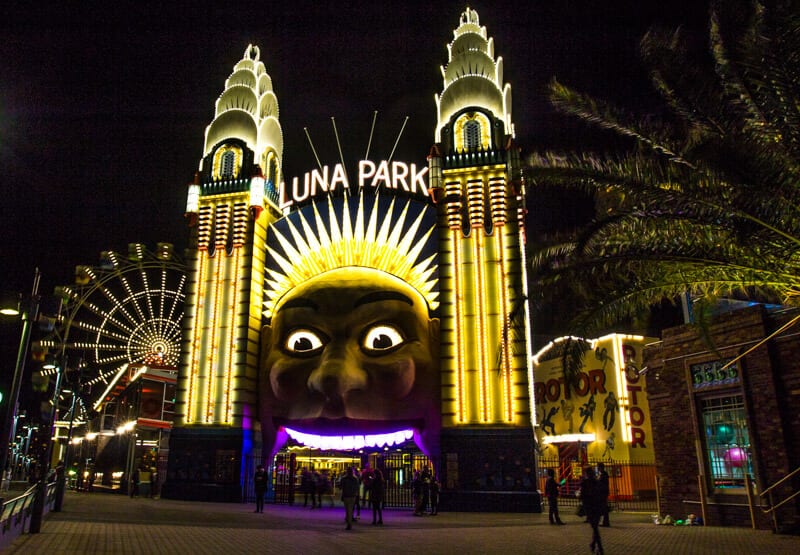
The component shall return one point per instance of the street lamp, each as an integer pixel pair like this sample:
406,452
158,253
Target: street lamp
29,313
40,498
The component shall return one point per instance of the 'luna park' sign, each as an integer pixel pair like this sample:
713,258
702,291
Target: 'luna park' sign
390,175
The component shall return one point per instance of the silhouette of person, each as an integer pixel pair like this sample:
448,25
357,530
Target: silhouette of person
260,481
610,414
587,411
567,409
547,422
610,443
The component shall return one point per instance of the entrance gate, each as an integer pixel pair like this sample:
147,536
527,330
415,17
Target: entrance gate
398,469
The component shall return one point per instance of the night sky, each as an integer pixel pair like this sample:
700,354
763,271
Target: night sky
103,110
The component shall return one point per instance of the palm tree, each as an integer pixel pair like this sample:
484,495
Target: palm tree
706,201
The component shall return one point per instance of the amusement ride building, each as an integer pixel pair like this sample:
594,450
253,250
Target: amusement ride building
377,311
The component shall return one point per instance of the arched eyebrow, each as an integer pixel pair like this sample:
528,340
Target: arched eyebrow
300,302
378,296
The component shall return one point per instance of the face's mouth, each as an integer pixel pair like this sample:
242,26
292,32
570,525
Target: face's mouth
348,442
348,433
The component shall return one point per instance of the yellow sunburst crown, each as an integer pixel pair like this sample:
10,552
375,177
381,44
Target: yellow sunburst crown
390,240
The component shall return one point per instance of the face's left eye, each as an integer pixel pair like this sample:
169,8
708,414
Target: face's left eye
382,338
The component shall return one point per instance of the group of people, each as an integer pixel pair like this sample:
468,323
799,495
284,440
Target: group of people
369,486
594,491
315,485
425,493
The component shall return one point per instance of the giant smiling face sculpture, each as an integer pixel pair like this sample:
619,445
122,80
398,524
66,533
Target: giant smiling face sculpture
350,352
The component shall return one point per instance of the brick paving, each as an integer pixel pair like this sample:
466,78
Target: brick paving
107,523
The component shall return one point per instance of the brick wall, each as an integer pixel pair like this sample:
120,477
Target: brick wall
770,385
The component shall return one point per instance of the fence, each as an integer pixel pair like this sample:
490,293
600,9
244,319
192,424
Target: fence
397,469
15,518
632,485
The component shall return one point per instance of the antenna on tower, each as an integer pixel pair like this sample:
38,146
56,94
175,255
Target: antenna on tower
398,138
319,164
339,146
371,132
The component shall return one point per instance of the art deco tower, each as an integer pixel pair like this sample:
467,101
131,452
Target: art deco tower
230,205
476,180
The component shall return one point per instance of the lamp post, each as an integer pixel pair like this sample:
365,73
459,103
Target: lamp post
61,478
29,314
40,499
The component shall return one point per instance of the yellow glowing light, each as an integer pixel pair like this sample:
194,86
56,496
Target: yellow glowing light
196,334
482,363
569,438
214,347
505,341
385,246
232,336
460,356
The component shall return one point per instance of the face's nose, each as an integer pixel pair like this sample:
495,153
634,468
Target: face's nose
338,374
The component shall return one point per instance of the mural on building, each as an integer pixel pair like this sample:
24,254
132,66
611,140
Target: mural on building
606,411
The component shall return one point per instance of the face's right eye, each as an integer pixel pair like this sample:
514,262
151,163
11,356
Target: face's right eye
303,342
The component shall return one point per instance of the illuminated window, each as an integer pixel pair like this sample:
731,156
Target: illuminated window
228,164
727,440
472,135
272,171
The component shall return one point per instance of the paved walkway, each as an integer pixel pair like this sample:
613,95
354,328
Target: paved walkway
106,523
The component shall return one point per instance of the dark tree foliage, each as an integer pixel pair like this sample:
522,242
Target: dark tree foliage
706,201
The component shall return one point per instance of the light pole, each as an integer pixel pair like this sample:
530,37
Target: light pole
40,500
61,477
29,314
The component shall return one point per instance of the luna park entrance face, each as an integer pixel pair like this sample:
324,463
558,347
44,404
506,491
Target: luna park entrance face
396,465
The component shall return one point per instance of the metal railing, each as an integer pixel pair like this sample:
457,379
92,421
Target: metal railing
632,485
772,506
16,514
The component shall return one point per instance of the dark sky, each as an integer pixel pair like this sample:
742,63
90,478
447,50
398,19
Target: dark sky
103,108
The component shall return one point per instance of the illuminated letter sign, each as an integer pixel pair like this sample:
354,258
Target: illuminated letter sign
390,175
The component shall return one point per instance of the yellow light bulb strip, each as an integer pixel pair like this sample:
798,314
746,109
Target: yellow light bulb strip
507,340
475,203
461,412
211,358
480,312
220,238
453,190
195,334
204,228
239,224
528,359
622,388
497,192
232,329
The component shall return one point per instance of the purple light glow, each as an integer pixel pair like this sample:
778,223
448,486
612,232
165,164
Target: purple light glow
348,442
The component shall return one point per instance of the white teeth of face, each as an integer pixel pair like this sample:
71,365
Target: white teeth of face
350,441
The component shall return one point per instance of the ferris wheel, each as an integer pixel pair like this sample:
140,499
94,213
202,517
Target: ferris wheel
127,310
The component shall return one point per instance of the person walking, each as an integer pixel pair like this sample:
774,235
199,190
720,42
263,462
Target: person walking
349,494
260,480
590,497
307,487
377,493
603,489
435,489
551,492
